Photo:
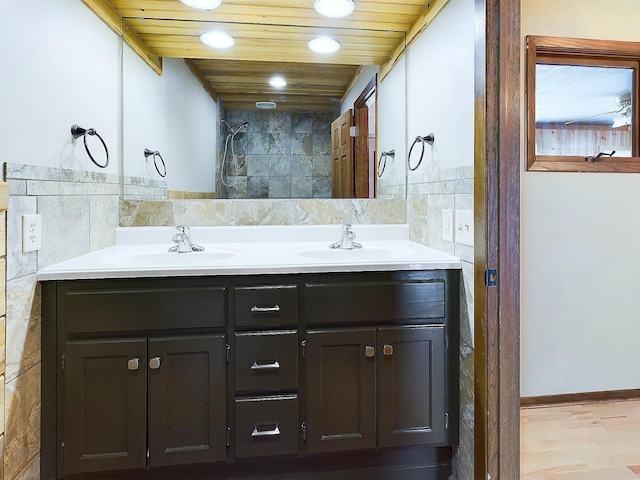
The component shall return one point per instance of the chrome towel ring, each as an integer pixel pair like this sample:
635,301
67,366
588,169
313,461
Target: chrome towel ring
430,139
383,161
156,155
77,132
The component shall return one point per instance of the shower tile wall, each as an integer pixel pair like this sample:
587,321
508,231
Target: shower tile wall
279,155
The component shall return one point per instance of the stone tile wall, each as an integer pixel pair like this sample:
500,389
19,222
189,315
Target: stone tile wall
278,155
144,188
262,212
438,190
79,214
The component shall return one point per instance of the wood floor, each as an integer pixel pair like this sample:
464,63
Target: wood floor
591,441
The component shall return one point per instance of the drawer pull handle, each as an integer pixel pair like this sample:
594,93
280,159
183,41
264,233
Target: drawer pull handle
369,351
387,350
265,366
154,363
265,433
133,364
273,309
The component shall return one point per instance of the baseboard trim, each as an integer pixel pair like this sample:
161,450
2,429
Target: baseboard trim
581,397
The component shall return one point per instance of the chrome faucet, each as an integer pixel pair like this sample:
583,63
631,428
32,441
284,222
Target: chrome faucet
347,240
182,239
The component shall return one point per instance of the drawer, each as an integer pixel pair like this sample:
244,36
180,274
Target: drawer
266,361
353,302
266,426
144,308
266,306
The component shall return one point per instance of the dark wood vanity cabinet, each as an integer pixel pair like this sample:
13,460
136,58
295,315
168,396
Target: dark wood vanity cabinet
271,372
375,387
133,402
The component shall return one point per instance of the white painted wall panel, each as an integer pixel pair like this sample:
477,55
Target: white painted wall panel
61,65
174,115
580,237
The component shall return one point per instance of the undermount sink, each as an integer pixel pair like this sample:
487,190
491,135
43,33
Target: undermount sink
171,259
353,255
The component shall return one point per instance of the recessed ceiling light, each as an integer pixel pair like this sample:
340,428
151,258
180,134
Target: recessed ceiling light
217,39
324,45
202,4
278,82
334,8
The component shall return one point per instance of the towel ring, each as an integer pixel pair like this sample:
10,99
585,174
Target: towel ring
77,132
156,155
383,157
430,139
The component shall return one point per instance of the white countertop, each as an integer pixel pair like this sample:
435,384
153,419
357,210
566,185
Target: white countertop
142,252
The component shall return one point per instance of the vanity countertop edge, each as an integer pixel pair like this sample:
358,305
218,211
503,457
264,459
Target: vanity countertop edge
252,250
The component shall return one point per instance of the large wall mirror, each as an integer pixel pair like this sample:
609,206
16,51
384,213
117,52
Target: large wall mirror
265,140
582,101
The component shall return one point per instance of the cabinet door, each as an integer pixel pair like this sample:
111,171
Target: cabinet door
187,406
411,388
105,406
341,407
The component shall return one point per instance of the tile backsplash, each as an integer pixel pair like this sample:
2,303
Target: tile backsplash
262,212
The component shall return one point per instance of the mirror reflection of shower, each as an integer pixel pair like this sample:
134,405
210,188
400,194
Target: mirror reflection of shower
233,162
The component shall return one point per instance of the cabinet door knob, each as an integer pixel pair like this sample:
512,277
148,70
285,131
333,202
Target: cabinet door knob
369,351
133,363
154,363
387,350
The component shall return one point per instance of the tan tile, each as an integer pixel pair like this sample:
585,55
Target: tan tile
3,233
2,388
3,283
4,195
203,212
22,422
2,346
264,212
2,456
22,325
31,471
149,212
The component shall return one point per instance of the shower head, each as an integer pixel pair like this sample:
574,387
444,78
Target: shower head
232,130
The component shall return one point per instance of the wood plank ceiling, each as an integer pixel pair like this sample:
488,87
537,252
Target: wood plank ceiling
271,38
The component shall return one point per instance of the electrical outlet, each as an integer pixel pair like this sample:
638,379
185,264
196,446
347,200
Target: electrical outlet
31,233
447,224
464,227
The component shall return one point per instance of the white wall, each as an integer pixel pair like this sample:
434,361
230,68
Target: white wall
440,90
430,90
392,123
174,115
61,65
580,238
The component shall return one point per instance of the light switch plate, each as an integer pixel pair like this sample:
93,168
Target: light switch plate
31,232
464,227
